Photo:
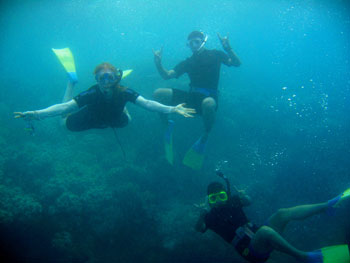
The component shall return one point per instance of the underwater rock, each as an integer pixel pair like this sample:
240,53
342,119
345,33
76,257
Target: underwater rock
69,203
16,205
62,241
176,224
6,217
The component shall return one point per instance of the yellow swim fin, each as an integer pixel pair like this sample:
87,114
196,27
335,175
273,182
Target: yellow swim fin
346,193
126,73
168,142
66,58
336,254
194,157
342,197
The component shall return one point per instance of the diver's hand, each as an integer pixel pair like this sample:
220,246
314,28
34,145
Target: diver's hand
158,54
202,207
244,197
225,42
242,192
186,112
27,115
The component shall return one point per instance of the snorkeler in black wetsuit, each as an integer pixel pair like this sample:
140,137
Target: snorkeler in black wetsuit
102,105
227,218
203,69
97,111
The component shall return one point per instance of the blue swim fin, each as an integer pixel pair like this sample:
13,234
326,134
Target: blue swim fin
194,158
168,142
29,127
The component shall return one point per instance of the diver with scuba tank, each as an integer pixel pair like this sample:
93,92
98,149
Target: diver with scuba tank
226,217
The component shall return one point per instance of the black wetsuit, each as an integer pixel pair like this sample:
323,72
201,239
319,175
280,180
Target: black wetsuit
98,112
203,70
226,220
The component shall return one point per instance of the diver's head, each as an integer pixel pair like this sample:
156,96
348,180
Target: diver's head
107,76
196,41
217,194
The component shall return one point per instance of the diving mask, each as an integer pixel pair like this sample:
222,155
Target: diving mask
197,43
108,78
220,196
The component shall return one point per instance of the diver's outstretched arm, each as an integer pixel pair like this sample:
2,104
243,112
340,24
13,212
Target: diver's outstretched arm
152,105
54,110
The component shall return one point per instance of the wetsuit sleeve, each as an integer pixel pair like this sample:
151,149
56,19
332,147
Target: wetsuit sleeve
181,68
131,95
222,57
201,225
86,97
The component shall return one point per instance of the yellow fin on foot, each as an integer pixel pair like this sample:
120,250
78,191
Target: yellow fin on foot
193,159
343,196
66,58
126,73
336,254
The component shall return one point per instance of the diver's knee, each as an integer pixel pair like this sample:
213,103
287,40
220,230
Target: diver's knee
162,94
281,214
157,93
265,232
209,104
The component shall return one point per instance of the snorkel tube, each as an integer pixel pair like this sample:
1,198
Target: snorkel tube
203,43
219,172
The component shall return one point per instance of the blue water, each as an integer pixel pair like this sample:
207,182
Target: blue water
282,125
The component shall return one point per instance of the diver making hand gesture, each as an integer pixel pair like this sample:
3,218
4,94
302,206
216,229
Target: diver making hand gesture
225,216
203,70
